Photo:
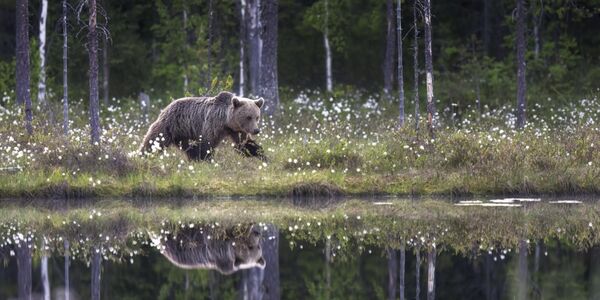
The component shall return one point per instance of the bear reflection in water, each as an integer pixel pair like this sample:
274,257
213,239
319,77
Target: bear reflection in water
196,248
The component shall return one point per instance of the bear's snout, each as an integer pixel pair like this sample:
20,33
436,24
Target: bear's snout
256,131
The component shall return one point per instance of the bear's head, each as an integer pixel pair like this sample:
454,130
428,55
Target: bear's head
247,250
244,115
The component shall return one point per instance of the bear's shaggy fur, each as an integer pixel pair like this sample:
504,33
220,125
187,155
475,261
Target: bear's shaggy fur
194,248
198,125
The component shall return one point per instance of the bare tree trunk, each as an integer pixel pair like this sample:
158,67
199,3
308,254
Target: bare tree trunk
105,72
328,74
210,44
486,27
269,86
67,263
242,46
270,246
42,51
65,70
328,269
213,284
96,270
388,64
521,65
93,55
22,68
416,62
537,23
523,276
418,274
255,42
24,270
400,66
431,256
401,274
44,271
185,66
431,113
392,266
488,277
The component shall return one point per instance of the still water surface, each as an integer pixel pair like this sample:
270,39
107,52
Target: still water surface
261,260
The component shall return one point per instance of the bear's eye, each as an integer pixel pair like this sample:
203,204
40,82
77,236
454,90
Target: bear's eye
249,118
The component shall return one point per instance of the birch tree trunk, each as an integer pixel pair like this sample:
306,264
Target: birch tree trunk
431,114
24,270
44,271
96,270
185,67
255,43
242,46
67,262
400,65
388,63
328,74
105,72
269,86
93,56
522,273
416,62
42,51
65,70
22,61
392,266
431,256
521,65
401,272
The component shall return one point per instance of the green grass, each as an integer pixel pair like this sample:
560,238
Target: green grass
323,148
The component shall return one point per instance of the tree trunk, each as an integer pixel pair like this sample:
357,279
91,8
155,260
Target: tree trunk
521,65
431,114
96,270
328,269
105,72
42,51
400,66
523,276
255,42
93,55
242,46
185,67
488,276
67,262
431,256
269,86
144,104
65,70
328,74
209,44
270,247
388,63
24,270
392,266
538,15
486,27
213,284
44,272
418,274
416,62
402,270
22,60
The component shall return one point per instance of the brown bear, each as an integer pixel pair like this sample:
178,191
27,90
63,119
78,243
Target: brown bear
197,248
198,125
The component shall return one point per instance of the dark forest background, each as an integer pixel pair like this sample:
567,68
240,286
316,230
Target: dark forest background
473,47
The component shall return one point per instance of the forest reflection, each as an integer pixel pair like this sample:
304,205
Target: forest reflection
550,270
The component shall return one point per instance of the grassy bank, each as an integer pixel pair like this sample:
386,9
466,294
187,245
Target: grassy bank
121,229
317,146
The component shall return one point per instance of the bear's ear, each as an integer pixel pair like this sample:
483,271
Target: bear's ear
261,262
236,102
260,102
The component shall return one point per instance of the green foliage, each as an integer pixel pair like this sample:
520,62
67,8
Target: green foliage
7,78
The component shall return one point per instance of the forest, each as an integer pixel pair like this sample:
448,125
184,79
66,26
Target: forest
362,97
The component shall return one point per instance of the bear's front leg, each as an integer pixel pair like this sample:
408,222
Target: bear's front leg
198,151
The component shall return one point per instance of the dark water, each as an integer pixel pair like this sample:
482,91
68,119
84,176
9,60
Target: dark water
253,260
548,271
